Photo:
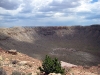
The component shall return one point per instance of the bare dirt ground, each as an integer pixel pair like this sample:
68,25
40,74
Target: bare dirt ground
84,71
19,62
80,70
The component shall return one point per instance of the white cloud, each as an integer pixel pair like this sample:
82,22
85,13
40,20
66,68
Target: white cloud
84,7
9,4
39,4
49,11
10,9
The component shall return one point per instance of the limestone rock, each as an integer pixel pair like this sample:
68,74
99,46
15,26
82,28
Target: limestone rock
1,58
54,74
22,62
65,64
13,52
34,73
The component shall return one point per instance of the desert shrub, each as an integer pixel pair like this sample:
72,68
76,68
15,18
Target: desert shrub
2,71
50,65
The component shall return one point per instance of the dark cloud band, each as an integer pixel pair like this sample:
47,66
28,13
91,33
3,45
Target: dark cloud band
9,5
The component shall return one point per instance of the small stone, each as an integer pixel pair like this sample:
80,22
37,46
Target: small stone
29,64
86,67
22,62
22,67
6,59
38,71
10,65
13,52
14,62
33,73
98,65
54,74
1,58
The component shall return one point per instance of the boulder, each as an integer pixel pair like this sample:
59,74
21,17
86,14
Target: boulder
65,64
54,74
13,52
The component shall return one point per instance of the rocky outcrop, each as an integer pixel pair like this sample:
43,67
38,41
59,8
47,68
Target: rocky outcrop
65,64
13,52
19,62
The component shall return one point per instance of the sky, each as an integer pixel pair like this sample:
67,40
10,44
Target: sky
15,13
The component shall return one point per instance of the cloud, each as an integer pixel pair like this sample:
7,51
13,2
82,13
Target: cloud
64,3
9,4
27,7
58,6
49,12
89,10
94,16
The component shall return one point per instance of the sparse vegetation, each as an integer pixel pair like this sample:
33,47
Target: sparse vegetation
50,65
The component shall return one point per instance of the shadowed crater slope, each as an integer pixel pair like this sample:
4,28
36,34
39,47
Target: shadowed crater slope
74,44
